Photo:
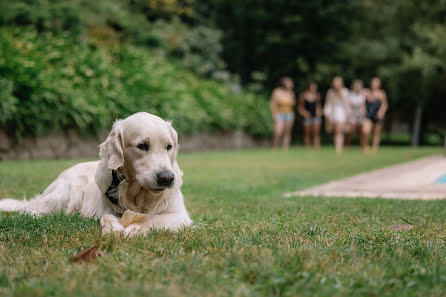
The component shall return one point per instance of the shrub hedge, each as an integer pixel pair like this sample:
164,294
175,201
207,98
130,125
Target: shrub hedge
54,81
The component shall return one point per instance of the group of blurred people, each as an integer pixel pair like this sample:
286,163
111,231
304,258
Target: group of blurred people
346,112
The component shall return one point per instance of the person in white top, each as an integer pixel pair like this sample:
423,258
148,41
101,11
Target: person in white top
337,111
357,107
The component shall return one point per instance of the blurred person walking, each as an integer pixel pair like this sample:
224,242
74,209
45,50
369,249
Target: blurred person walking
337,111
356,100
376,107
309,107
283,101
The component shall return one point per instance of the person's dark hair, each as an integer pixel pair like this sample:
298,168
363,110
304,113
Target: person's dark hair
357,81
375,78
283,80
310,84
337,77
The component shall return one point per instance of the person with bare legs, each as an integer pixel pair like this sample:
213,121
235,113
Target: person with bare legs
337,111
283,101
309,107
357,113
376,107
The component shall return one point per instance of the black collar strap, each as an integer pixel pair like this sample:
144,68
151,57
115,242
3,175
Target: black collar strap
112,191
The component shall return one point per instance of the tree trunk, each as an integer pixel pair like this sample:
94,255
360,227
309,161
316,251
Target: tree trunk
445,143
417,125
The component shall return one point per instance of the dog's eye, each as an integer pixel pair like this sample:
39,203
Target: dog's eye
143,146
169,147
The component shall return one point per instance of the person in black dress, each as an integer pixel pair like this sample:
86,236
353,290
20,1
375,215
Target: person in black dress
376,107
310,109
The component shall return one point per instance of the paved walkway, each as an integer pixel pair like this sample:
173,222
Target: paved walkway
423,179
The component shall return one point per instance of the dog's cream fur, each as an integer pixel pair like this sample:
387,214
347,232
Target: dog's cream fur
81,188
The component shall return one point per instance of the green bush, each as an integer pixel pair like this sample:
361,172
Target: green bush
52,81
198,48
57,15
153,24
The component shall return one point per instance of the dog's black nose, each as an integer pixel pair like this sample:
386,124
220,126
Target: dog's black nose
165,178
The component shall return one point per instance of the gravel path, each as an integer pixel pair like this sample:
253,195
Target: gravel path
413,180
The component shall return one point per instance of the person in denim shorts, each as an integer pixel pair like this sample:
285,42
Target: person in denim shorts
283,101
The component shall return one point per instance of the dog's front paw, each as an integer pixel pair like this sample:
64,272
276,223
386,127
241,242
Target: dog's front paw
135,229
110,224
112,228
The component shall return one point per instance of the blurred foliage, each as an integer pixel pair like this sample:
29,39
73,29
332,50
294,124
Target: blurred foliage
198,49
402,41
52,81
281,37
157,24
165,9
81,64
230,42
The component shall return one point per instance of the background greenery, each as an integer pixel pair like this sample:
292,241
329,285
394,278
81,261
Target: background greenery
79,64
247,239
402,41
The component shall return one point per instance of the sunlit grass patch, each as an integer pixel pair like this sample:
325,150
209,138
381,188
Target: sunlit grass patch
247,240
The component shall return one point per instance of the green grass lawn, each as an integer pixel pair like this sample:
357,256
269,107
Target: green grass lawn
247,239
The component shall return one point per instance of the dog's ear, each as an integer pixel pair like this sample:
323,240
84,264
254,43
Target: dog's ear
112,157
112,149
174,136
176,148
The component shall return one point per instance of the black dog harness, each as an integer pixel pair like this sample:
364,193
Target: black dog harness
112,191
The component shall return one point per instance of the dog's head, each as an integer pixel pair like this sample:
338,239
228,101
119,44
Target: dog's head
144,148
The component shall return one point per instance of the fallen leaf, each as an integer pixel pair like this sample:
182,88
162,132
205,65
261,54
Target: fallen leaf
400,227
130,217
89,255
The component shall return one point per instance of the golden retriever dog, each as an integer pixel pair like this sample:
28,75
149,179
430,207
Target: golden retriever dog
137,171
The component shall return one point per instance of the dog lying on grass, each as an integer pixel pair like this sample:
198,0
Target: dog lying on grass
137,171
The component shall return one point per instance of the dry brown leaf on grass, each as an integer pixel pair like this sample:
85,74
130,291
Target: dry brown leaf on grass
89,255
130,217
92,254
